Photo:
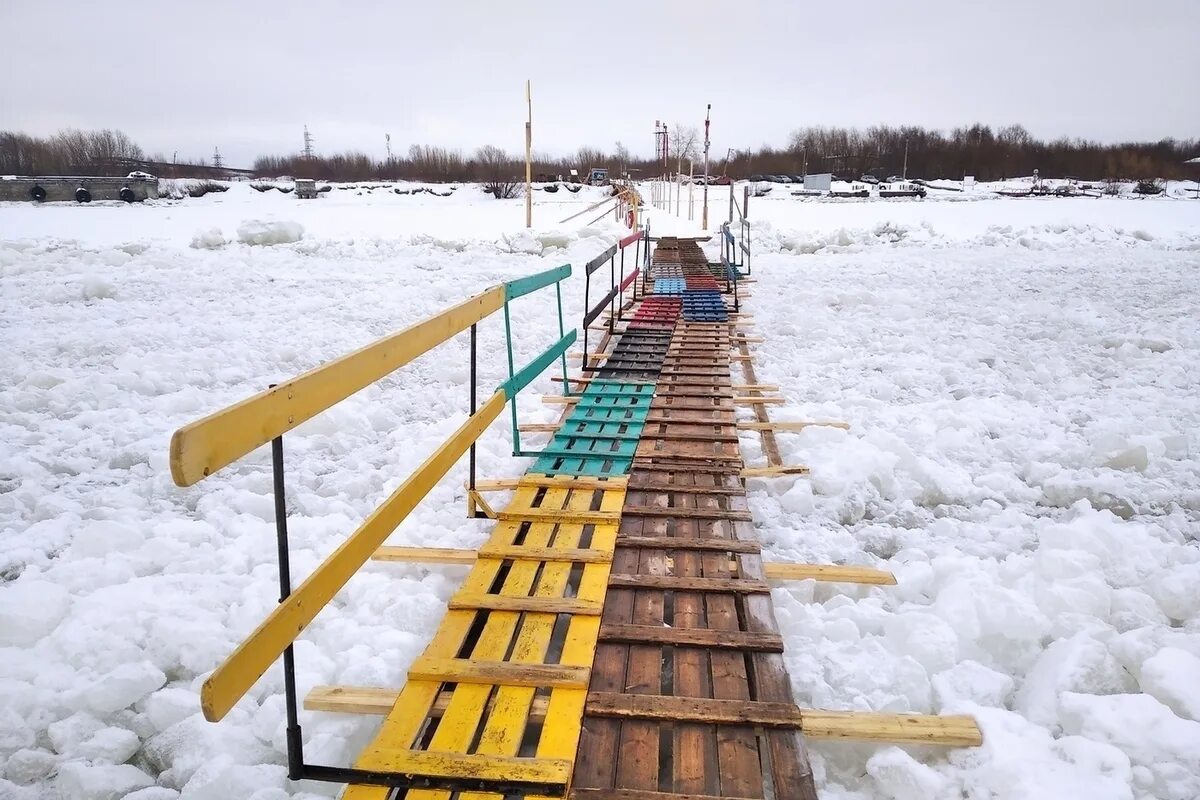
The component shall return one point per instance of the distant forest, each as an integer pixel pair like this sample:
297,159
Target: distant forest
988,154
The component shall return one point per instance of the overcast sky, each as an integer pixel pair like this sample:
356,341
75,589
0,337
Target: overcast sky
247,76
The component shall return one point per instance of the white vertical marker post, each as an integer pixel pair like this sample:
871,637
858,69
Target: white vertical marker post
528,157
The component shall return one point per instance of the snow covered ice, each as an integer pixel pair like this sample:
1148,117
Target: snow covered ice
1020,377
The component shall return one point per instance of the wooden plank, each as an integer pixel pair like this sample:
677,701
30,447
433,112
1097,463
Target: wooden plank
600,737
552,772
644,794
949,730
377,701
668,708
638,751
773,472
675,583
755,387
465,714
350,699
424,555
552,482
205,446
508,719
673,543
694,747
539,427
791,426
681,512
738,756
759,401
234,677
661,487
539,605
779,571
692,637
560,517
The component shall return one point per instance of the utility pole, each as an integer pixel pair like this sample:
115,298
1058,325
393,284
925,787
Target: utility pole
308,144
528,157
704,213
905,173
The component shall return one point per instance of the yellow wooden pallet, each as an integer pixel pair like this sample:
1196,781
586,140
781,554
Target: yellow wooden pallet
466,709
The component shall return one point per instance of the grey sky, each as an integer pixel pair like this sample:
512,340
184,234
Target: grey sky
185,76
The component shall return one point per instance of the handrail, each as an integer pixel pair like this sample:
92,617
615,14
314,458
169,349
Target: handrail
204,446
230,681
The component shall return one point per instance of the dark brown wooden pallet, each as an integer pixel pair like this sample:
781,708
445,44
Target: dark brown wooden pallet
688,696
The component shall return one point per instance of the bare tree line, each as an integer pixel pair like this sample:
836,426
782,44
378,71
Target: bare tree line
977,150
971,150
67,152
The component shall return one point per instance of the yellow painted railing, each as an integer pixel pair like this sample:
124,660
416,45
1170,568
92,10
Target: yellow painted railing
205,446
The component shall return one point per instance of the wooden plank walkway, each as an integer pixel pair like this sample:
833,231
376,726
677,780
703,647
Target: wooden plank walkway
615,637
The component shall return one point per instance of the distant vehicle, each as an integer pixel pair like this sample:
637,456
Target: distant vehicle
138,175
871,179
757,178
720,180
782,179
901,189
797,179
855,190
597,176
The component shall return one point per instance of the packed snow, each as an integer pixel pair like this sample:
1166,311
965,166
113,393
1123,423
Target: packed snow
1020,377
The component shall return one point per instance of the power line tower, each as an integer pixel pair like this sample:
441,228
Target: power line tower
387,140
308,144
217,162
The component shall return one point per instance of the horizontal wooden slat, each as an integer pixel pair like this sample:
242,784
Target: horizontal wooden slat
677,512
692,709
961,731
950,730
376,701
832,573
554,773
467,601
773,472
680,543
643,794
692,637
681,584
497,673
351,699
791,426
562,517
662,487
425,555
759,401
451,555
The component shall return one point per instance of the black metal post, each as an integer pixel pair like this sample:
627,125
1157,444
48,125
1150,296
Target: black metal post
612,284
471,478
295,743
587,299
621,294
